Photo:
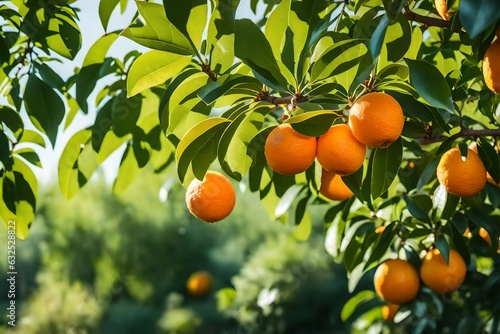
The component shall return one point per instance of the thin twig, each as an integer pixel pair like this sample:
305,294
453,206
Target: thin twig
291,99
463,133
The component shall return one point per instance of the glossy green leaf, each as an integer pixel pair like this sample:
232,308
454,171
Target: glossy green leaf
228,83
221,22
386,163
12,120
77,163
337,59
313,123
430,84
154,68
443,246
252,47
478,15
44,107
49,76
67,40
189,17
158,32
416,211
88,76
128,171
377,39
197,149
356,301
124,113
106,8
234,143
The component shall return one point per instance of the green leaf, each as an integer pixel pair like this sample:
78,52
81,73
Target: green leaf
124,113
12,120
128,171
313,123
386,163
5,153
67,39
254,50
287,199
30,155
49,76
189,17
32,137
430,84
77,163
228,83
337,59
444,204
428,173
304,228
89,74
443,246
197,149
416,211
154,68
377,39
44,107
181,108
158,32
106,8
397,41
233,147
355,302
478,15
221,21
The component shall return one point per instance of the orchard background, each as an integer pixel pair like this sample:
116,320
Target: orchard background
112,250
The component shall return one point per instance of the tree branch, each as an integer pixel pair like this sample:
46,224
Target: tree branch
463,133
206,68
428,21
291,99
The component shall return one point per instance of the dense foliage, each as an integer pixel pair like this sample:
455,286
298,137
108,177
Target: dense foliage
211,87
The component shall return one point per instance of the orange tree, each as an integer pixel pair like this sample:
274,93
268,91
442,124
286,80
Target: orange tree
412,87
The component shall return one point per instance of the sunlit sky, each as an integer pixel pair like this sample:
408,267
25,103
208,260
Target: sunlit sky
92,30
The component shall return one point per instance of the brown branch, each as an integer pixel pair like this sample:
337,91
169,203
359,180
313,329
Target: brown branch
426,20
206,68
463,133
291,99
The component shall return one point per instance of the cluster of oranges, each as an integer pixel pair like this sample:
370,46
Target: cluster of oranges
397,281
341,150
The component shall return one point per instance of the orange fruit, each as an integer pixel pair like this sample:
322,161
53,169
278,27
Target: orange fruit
491,67
339,151
199,283
396,281
333,187
380,229
460,177
442,9
376,119
467,233
389,311
439,276
485,235
212,199
289,152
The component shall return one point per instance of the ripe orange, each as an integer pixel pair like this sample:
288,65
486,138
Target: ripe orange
486,237
462,178
396,281
376,119
212,199
333,187
442,9
439,276
339,151
380,229
389,311
289,152
491,67
199,283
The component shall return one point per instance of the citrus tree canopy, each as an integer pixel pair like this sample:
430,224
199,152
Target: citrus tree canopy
384,111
